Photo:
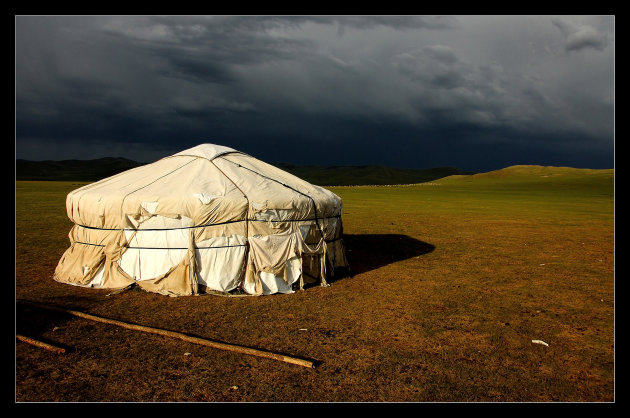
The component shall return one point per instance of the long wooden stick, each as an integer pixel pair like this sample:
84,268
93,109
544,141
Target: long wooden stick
178,335
40,344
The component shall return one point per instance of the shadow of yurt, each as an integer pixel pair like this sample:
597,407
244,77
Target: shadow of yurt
366,252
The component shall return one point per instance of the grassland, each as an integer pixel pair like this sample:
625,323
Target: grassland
453,279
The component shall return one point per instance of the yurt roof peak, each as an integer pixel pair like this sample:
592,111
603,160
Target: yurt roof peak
207,151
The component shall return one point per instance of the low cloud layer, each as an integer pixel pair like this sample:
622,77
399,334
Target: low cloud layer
477,92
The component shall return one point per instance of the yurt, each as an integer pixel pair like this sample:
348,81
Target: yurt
205,220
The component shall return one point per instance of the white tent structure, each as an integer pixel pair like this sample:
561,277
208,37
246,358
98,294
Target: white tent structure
209,218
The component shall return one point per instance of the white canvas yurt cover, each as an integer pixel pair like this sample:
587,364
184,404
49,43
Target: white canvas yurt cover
209,218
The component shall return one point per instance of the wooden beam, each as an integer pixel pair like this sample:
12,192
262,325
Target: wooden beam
179,335
41,344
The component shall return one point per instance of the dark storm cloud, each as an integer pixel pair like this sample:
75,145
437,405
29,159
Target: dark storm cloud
476,92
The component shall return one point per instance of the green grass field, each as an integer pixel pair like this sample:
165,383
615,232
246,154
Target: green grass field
453,279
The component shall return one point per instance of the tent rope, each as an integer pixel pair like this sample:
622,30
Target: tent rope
150,183
205,225
183,248
285,185
243,272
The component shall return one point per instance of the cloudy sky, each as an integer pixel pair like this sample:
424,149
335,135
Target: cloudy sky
474,92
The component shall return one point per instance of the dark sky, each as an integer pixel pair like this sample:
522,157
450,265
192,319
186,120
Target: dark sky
474,92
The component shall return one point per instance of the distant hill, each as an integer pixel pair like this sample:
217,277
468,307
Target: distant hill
532,173
368,174
534,178
537,171
72,170
93,170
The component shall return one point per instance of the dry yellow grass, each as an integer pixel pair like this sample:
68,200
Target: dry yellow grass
451,284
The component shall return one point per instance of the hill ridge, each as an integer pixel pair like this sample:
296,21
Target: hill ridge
333,175
338,175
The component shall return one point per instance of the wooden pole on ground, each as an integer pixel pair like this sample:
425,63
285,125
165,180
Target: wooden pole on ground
178,335
40,344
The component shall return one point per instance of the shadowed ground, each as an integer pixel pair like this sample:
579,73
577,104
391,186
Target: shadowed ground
367,252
